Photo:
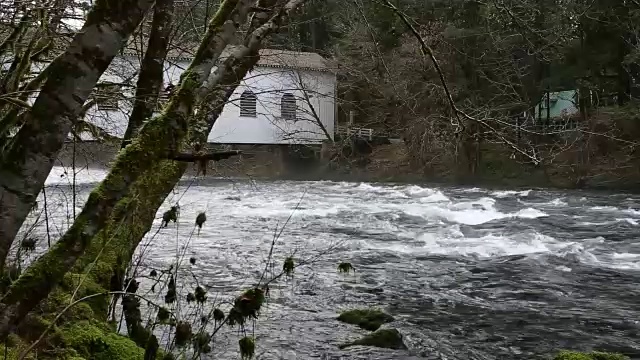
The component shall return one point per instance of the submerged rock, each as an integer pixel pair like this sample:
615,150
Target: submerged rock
385,338
572,355
368,319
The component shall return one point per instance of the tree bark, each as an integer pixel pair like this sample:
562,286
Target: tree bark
156,140
150,80
136,212
10,84
148,87
26,163
17,32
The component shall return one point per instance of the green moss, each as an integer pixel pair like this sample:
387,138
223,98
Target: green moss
98,304
573,355
125,230
247,347
368,319
58,300
346,268
288,266
15,346
98,342
386,338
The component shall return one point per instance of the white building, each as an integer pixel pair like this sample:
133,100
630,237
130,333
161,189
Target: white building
288,98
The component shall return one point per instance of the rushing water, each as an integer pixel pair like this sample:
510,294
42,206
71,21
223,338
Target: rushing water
467,273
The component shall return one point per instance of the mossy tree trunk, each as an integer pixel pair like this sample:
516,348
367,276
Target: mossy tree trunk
156,141
125,229
27,161
148,87
150,79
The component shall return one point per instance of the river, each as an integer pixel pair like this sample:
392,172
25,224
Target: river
468,273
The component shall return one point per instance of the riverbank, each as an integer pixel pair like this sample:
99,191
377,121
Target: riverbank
393,163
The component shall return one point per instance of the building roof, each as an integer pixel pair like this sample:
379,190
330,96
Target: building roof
268,58
287,59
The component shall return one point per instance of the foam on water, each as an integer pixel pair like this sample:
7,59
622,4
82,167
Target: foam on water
361,205
532,253
489,246
510,193
64,175
557,202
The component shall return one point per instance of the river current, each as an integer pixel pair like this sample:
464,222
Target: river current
468,273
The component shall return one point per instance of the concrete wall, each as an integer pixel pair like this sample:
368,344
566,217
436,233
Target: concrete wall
263,161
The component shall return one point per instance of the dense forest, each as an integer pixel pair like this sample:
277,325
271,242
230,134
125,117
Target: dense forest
466,84
499,64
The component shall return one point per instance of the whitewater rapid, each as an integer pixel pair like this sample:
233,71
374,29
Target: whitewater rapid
469,273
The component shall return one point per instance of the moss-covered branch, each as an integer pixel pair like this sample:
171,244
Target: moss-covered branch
150,189
127,226
26,163
157,139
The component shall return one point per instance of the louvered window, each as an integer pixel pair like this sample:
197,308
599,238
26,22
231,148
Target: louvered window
288,107
248,104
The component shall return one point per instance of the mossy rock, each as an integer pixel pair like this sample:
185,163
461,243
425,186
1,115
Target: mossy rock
368,319
573,355
93,341
385,338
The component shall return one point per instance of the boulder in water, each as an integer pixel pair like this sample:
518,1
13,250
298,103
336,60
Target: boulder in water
368,319
385,338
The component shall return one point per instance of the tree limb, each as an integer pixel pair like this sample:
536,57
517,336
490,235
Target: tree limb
26,163
150,80
155,141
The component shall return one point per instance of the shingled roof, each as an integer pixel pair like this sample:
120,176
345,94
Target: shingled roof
268,58
287,59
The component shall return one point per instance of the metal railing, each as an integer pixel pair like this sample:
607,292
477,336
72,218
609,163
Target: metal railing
365,133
